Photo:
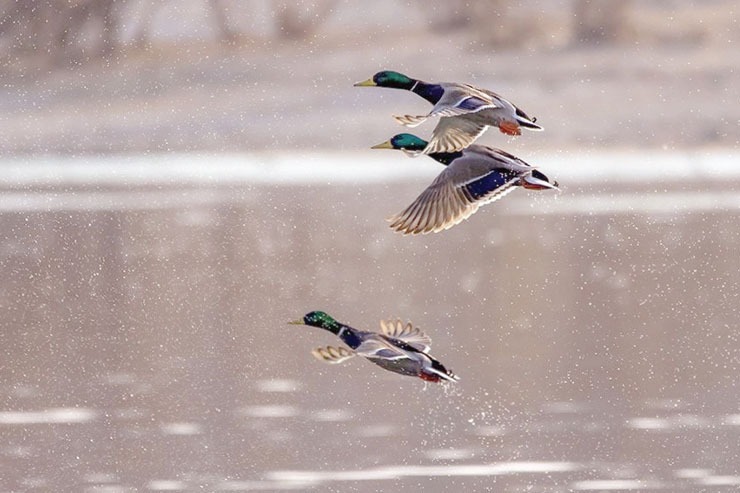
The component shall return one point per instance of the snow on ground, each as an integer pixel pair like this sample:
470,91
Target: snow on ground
368,167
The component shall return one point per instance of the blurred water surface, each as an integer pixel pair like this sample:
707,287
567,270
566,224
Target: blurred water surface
144,343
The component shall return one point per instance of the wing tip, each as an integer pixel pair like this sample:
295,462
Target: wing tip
410,121
332,355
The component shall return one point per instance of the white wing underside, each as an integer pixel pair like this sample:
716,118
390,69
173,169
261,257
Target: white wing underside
406,333
454,134
374,348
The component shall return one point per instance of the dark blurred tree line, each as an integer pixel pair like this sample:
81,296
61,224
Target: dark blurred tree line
496,22
59,29
69,31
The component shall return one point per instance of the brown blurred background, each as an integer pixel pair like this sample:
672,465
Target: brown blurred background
152,247
90,76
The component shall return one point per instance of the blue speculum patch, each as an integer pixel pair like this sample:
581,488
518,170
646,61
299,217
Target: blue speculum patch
486,184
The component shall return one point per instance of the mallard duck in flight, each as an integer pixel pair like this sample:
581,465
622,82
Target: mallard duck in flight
464,111
400,348
474,176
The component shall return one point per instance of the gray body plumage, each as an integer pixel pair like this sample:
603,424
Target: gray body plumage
400,348
465,112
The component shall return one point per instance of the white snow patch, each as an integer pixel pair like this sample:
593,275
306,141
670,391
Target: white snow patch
120,378
377,431
689,473
615,484
648,424
182,428
449,454
678,421
278,385
269,168
342,167
109,200
270,411
100,477
396,472
48,416
166,485
228,170
235,485
564,407
720,481
491,431
332,415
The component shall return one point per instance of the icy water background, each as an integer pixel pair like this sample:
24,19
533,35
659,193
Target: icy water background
144,344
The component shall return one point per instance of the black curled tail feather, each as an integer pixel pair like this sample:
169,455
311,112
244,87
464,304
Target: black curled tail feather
441,369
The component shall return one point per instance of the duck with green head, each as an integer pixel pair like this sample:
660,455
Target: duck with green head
464,111
474,176
400,348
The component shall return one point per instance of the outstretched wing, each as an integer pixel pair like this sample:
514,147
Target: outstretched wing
461,99
496,99
454,196
457,100
467,105
454,134
411,121
407,333
332,355
464,106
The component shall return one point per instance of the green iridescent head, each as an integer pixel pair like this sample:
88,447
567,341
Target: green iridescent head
405,142
388,78
316,319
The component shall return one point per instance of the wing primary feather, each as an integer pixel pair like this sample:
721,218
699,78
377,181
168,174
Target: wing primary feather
332,355
408,216
410,121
